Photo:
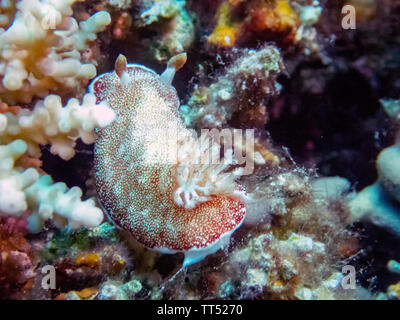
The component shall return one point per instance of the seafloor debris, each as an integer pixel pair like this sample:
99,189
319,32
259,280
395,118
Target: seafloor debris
317,196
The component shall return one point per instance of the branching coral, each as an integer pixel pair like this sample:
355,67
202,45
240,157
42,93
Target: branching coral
7,11
42,50
22,190
51,123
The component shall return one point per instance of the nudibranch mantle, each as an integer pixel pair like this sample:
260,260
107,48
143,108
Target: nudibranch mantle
165,202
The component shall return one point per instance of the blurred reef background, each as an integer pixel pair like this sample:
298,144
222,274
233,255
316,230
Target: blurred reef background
324,103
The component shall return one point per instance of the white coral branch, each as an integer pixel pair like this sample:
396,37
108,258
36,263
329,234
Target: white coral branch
22,190
51,123
41,50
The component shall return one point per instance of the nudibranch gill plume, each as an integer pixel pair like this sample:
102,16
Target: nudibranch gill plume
168,203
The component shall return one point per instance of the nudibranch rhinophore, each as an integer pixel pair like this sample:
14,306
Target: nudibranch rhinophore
148,175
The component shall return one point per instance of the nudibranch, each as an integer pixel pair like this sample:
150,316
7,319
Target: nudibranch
169,201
